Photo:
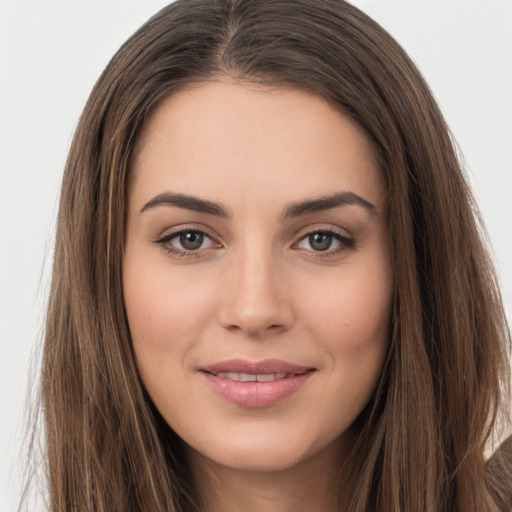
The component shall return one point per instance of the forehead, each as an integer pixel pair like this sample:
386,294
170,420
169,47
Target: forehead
221,133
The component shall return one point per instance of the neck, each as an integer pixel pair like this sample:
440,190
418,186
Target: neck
313,484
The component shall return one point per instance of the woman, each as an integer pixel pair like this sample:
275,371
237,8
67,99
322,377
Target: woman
270,291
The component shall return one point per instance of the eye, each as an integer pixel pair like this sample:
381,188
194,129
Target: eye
320,241
186,242
324,241
190,240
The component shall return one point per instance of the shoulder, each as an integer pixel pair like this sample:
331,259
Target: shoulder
498,472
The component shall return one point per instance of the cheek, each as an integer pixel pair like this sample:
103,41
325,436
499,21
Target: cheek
163,306
165,315
352,312
351,319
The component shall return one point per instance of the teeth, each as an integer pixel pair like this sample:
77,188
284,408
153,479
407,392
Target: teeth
266,377
270,376
247,377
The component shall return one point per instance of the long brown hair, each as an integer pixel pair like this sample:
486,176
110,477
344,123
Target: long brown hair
421,441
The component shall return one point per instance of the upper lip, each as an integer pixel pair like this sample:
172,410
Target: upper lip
264,367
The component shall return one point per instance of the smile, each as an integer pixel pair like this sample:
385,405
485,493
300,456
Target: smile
261,377
256,385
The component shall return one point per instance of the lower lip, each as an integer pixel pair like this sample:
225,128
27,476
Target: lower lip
256,394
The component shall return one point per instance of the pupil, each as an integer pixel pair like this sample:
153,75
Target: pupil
320,241
191,240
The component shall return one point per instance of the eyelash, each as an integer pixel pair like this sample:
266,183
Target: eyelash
164,243
346,243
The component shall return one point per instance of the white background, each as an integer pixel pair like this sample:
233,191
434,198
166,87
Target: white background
52,51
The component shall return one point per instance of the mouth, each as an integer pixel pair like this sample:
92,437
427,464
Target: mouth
256,384
250,377
275,367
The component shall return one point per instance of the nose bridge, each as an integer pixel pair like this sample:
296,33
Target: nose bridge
255,298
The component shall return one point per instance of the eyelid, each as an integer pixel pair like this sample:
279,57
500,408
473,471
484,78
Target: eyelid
171,233
322,228
347,242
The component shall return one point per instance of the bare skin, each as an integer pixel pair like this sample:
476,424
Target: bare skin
274,491
257,232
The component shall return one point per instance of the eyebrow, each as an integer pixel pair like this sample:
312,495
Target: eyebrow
187,202
327,203
195,204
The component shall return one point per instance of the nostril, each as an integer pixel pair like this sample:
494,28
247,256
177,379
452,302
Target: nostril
253,312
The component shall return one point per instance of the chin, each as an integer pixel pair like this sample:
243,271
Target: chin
262,452
255,459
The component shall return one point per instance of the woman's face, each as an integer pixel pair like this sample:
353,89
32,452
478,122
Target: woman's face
257,274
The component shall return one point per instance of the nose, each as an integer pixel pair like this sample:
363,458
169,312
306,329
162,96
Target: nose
256,298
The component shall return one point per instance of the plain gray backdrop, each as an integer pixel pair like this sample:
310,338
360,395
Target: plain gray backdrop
52,51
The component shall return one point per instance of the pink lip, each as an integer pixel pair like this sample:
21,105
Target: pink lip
255,367
256,394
